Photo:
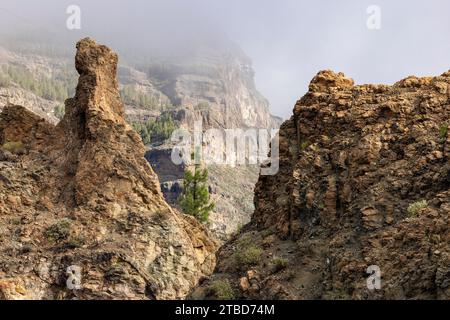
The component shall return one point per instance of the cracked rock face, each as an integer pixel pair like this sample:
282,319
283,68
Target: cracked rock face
364,180
80,195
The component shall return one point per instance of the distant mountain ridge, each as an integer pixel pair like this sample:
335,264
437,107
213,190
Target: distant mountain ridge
220,78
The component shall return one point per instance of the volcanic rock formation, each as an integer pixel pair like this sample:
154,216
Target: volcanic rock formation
364,181
81,211
213,83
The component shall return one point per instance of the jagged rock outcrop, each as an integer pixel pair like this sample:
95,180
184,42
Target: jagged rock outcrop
364,180
215,85
80,195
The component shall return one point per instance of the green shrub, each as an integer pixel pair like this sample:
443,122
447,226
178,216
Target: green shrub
221,290
155,130
280,263
13,146
59,230
247,255
414,208
304,144
195,198
76,242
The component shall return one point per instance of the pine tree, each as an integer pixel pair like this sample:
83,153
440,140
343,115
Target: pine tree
195,199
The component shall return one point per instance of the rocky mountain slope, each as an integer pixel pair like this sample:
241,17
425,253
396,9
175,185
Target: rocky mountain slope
19,76
79,204
215,86
364,181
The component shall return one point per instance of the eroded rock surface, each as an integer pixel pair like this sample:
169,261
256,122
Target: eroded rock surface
81,195
364,180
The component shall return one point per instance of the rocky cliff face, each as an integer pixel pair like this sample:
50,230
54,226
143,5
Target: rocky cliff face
80,195
215,86
364,181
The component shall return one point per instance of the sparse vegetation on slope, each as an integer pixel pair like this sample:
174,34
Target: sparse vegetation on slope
221,290
131,96
56,88
155,130
414,208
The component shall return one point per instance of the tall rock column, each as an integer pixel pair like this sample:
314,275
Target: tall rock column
89,205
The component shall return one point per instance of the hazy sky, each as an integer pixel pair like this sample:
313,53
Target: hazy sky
289,41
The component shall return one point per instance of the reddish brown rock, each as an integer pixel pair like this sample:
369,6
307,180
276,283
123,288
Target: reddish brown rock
353,159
